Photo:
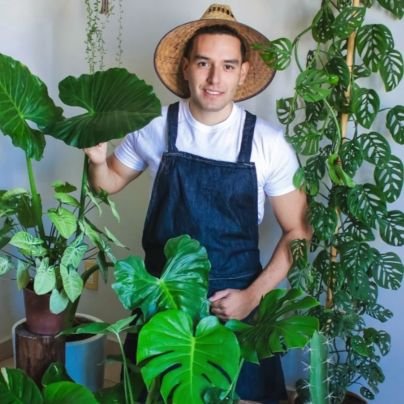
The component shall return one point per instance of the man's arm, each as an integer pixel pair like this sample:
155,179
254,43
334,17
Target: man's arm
107,173
290,211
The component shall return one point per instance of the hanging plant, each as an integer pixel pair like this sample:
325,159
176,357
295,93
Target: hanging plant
99,14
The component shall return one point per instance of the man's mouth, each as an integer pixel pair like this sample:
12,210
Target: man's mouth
213,92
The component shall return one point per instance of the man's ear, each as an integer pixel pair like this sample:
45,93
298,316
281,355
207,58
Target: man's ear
243,72
185,65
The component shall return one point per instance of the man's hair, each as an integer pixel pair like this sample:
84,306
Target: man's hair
221,29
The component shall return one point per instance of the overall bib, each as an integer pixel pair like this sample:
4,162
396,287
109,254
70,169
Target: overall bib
214,202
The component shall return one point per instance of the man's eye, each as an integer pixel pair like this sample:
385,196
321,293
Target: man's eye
228,67
202,64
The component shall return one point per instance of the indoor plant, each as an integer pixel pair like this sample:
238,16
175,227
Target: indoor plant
341,134
180,351
52,244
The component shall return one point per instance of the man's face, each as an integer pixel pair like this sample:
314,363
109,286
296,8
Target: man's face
214,70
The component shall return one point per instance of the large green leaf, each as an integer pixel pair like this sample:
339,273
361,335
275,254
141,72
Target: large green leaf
365,106
28,244
356,256
373,42
348,21
183,284
189,362
391,69
24,100
351,156
323,219
72,283
45,278
17,388
68,392
389,177
380,338
117,102
388,271
314,85
392,228
276,327
74,254
375,148
395,123
379,313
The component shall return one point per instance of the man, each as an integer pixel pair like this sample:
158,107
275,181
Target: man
213,164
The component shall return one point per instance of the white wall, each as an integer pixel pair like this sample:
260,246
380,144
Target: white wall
48,36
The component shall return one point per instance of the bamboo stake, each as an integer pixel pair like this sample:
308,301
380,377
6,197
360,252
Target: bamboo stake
344,126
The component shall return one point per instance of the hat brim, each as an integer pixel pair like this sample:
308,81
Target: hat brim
169,53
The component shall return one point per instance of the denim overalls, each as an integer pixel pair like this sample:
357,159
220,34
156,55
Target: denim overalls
214,202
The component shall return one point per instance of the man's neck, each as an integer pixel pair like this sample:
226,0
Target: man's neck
209,117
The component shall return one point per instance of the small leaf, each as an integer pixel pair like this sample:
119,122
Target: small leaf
63,187
45,278
348,21
396,7
58,301
392,228
391,69
365,106
285,110
395,123
324,220
375,147
28,244
313,85
23,276
72,283
111,237
74,254
64,221
276,54
373,42
388,271
389,178
306,139
321,27
67,199
379,313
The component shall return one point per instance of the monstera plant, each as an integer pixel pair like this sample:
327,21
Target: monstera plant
343,135
46,245
184,353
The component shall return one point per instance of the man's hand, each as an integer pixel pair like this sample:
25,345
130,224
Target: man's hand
232,304
97,154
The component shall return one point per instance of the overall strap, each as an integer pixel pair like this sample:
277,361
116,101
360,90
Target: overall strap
246,142
172,122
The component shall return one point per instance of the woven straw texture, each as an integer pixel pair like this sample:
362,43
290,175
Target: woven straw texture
169,53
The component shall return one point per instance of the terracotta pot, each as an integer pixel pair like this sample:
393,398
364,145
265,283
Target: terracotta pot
40,320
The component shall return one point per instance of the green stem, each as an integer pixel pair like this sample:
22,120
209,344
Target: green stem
126,379
36,200
334,117
294,45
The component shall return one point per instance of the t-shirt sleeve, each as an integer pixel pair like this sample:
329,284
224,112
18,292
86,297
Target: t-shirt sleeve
127,153
283,166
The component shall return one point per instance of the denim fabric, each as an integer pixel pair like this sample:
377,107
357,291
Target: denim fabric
214,202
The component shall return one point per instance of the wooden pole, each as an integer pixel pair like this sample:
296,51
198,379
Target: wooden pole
34,353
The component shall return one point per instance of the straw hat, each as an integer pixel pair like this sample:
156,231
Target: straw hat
169,53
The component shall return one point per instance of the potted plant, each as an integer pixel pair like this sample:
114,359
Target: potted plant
180,351
46,246
335,122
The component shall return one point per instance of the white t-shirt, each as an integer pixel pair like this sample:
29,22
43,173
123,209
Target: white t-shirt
274,159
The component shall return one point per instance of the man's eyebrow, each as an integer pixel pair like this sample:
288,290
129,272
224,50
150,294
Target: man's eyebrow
230,61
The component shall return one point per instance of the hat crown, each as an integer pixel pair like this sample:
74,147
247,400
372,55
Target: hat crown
218,11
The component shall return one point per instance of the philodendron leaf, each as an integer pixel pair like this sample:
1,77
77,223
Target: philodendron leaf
64,221
277,328
5,264
67,199
365,106
68,392
395,123
24,98
58,301
373,42
74,253
388,271
17,387
45,278
183,284
72,283
188,361
117,102
391,69
56,372
28,244
389,177
23,276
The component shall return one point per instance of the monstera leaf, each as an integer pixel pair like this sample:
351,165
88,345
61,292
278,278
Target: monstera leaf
17,387
277,328
24,100
188,361
117,102
183,284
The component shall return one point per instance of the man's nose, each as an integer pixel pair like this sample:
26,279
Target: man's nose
214,74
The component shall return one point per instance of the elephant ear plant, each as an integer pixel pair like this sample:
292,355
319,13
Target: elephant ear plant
184,353
46,246
344,138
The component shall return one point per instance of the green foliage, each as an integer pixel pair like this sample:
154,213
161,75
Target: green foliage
51,258
347,209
